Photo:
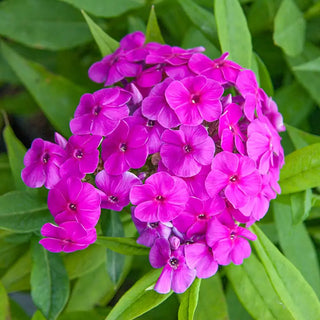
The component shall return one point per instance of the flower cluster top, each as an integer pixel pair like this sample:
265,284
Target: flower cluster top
192,143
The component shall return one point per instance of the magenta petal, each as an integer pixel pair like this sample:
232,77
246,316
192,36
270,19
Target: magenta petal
33,176
147,211
215,182
241,250
163,285
222,252
159,253
52,245
141,193
176,94
182,278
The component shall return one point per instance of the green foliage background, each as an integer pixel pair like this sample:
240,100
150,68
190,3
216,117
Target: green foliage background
46,48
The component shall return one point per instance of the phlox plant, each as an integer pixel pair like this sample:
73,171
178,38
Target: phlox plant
191,143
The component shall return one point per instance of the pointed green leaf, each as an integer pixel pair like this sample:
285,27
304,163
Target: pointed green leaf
264,76
139,299
301,170
23,211
57,96
250,280
301,138
40,24
212,302
313,65
189,301
106,44
121,245
234,35
38,316
301,203
289,28
4,304
235,307
294,239
16,151
201,18
49,281
106,9
153,33
294,291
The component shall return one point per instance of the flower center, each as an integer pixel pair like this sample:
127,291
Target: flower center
113,199
78,153
233,178
159,198
187,148
72,207
232,235
151,123
97,110
45,157
174,263
123,147
202,216
195,98
154,224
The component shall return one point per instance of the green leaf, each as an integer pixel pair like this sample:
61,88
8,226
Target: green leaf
16,151
106,44
235,308
301,203
111,225
23,211
6,176
106,9
4,304
126,246
296,294
289,28
139,299
294,239
20,103
234,35
201,18
189,301
17,313
40,24
38,316
301,170
82,262
264,76
17,275
82,315
250,280
313,65
153,33
301,138
56,96
49,281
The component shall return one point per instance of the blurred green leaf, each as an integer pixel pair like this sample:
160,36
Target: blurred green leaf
6,73
313,65
106,44
139,299
80,263
17,277
16,151
4,304
6,176
153,33
201,18
255,291
106,9
17,313
301,138
49,281
295,240
313,11
189,301
19,103
264,76
40,24
212,302
234,35
301,170
57,96
23,211
289,28
294,291
82,315
301,203
38,316
310,80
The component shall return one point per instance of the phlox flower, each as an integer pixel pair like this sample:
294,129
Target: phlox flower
161,198
176,274
74,200
124,62
186,150
115,189
125,148
42,163
67,237
236,175
101,112
221,70
82,156
263,145
229,242
195,99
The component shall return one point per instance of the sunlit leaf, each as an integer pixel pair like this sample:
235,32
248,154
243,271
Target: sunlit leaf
153,33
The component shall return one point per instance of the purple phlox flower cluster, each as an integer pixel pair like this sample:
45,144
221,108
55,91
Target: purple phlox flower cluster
192,143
